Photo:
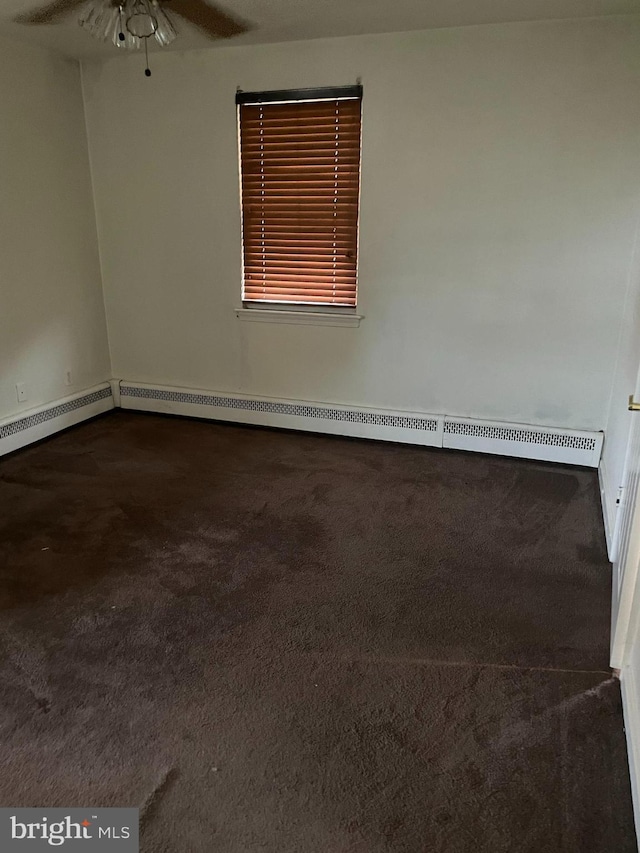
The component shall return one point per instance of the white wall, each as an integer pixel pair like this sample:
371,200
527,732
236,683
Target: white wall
51,305
499,184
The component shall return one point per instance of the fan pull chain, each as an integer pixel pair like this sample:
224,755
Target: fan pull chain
147,70
121,35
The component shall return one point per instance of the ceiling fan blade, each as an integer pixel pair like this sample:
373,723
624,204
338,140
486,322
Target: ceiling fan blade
214,22
50,13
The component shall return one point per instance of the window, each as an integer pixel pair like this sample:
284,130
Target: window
300,165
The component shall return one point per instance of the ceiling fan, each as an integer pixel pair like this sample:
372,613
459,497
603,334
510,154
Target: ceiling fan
131,23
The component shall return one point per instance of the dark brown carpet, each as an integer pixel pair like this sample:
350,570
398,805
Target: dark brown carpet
298,644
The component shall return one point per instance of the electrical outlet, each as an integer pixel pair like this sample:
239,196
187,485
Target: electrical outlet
68,377
21,391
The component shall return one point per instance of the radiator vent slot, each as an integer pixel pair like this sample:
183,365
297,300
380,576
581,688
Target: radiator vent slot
54,412
302,410
553,439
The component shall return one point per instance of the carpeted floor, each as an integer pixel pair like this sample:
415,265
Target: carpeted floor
299,644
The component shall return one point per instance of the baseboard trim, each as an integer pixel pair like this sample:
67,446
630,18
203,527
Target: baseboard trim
36,424
631,714
549,444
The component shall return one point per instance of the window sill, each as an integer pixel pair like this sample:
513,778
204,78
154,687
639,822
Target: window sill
298,318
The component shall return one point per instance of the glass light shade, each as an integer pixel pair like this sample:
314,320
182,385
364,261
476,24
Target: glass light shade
141,22
106,22
129,42
96,17
165,31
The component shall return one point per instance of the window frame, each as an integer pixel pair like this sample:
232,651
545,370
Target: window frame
303,312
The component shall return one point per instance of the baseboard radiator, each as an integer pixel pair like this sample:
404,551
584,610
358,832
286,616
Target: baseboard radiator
574,447
35,424
551,444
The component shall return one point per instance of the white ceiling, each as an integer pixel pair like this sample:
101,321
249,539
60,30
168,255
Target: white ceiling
292,20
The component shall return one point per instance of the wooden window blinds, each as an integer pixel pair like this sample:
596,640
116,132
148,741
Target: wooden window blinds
300,164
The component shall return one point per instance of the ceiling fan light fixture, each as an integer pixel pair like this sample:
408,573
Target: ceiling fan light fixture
128,24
